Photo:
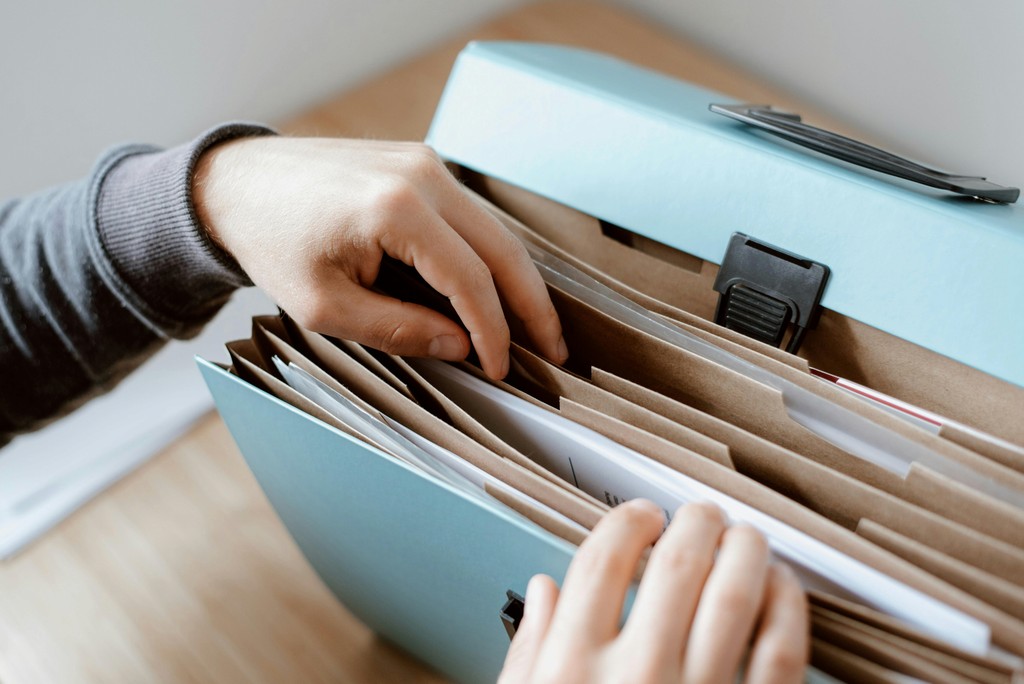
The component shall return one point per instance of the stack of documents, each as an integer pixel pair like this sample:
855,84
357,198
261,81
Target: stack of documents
910,545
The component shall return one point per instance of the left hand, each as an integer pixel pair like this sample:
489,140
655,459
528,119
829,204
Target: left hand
694,616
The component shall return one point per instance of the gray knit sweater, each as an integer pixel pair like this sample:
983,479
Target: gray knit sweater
98,274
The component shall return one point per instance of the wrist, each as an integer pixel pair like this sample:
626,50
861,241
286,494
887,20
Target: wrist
162,261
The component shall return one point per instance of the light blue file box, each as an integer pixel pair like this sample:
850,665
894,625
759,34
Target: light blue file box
642,151
418,562
425,566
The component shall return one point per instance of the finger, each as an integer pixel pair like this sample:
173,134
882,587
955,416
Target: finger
728,607
538,608
595,585
780,651
667,600
390,325
452,268
515,275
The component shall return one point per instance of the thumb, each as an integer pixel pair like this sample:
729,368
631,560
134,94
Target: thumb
390,325
538,609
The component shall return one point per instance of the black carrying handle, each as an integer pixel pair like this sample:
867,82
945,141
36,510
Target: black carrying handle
790,127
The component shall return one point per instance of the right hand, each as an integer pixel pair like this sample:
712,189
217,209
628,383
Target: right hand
693,618
309,220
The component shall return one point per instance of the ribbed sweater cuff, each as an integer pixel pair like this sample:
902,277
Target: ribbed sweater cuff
162,261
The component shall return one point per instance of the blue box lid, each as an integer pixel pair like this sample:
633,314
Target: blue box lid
641,150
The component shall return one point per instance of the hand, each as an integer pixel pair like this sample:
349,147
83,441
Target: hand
309,220
694,615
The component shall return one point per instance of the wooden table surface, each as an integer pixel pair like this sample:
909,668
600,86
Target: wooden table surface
182,572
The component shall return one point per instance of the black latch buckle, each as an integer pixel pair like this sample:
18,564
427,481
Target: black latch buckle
512,612
764,290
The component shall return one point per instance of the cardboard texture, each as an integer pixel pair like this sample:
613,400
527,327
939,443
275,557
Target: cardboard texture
839,345
839,497
852,668
989,588
866,616
882,649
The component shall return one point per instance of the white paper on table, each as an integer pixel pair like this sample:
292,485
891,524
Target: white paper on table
607,470
391,436
47,475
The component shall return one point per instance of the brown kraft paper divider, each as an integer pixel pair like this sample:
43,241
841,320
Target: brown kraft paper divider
537,516
340,362
565,385
839,345
936,492
1000,451
760,459
300,339
853,669
964,667
478,432
243,351
695,324
726,339
989,588
289,354
872,618
883,652
743,401
389,401
703,384
1006,630
839,497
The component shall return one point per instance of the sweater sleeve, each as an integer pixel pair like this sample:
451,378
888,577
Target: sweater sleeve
96,275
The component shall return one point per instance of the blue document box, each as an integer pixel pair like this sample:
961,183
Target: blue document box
924,303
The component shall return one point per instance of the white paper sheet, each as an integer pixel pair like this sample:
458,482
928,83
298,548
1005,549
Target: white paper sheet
609,471
398,440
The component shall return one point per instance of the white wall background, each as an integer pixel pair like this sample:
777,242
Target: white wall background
939,79
79,75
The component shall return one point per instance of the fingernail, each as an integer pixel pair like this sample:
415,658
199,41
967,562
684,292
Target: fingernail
447,347
563,351
504,366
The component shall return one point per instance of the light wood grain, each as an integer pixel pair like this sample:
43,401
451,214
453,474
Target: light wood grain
182,572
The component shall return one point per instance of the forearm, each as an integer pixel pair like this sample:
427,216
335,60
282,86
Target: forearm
96,275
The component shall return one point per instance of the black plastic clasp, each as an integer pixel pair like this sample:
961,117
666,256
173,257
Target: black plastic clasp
765,290
512,612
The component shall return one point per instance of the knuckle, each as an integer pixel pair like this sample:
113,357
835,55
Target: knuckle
474,277
422,161
784,660
705,513
395,198
393,337
676,559
748,537
594,562
734,599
